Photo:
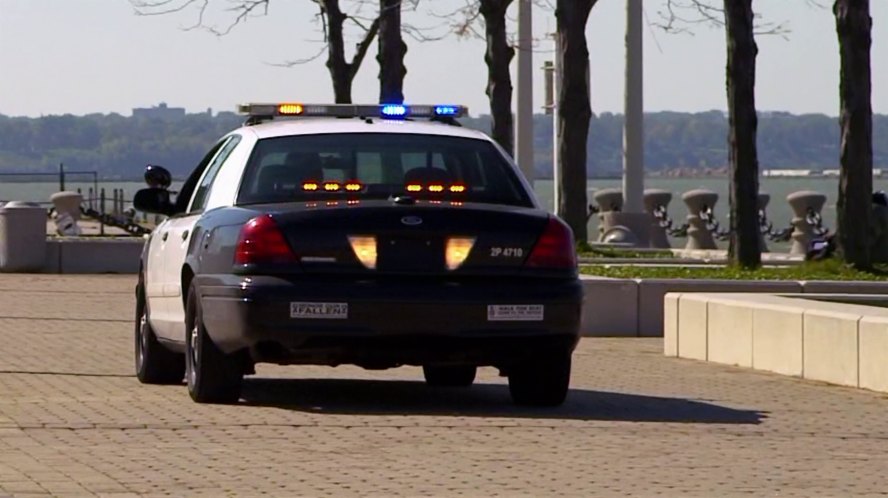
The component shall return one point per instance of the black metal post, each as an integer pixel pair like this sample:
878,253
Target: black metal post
61,177
102,212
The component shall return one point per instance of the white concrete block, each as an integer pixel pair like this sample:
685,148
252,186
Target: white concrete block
610,308
777,334
651,292
873,353
729,332
670,324
830,345
692,322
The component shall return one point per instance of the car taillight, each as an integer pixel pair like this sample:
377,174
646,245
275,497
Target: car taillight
555,247
261,241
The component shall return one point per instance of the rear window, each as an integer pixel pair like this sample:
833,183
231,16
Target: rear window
377,165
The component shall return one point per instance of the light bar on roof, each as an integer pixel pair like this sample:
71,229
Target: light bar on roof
384,111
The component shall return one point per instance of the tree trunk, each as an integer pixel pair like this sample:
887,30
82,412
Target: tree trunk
392,50
745,238
574,111
336,63
499,79
854,206
342,72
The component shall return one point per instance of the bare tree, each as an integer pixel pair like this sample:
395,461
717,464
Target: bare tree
574,110
331,15
854,207
466,22
745,238
392,50
741,25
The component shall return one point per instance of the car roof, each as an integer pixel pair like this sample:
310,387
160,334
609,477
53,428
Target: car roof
316,126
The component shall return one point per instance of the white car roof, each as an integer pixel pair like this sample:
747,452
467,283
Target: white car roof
316,126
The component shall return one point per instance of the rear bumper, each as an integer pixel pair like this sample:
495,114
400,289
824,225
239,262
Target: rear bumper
403,321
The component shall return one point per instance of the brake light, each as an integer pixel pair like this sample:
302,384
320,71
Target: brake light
555,247
261,241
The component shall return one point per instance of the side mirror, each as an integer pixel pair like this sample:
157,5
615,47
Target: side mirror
154,200
158,177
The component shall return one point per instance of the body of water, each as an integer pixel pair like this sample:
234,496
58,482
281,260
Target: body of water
778,210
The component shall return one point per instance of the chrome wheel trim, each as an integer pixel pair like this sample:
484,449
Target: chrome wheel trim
193,354
142,340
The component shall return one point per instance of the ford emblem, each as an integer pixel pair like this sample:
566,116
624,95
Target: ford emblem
411,220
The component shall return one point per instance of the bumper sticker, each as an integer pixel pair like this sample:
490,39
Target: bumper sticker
329,311
515,312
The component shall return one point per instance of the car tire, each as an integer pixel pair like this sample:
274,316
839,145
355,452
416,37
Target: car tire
155,364
212,376
449,375
541,382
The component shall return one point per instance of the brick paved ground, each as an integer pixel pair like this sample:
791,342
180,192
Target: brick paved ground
74,422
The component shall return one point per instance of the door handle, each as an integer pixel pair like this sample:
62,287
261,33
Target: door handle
164,236
185,235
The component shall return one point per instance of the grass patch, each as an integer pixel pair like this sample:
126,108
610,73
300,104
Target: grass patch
819,270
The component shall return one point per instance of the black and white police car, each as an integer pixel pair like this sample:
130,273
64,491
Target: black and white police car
373,235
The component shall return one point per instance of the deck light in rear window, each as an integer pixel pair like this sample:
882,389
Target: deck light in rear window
414,188
457,189
436,188
290,109
365,250
310,186
332,187
458,249
353,187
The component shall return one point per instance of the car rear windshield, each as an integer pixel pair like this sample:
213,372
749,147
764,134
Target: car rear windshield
379,165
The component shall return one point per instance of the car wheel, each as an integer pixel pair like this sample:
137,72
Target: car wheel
541,382
155,364
449,376
212,376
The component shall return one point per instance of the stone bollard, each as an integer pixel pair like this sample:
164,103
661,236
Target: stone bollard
67,207
608,200
803,203
699,237
763,200
617,226
653,199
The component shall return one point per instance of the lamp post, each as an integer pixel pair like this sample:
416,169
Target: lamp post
633,125
524,121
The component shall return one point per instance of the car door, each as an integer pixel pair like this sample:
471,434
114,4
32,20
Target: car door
165,243
178,238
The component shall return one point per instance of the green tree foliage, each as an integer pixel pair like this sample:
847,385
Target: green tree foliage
119,147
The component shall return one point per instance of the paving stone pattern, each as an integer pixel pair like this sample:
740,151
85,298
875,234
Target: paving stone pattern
75,422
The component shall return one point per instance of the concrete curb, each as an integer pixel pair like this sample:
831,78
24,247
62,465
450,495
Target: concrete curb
834,342
93,255
634,307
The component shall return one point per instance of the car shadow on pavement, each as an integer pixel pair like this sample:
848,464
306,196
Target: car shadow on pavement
377,397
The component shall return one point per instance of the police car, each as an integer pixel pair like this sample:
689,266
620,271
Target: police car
372,235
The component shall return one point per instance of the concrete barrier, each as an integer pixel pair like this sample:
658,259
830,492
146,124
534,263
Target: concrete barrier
873,349
610,312
93,255
610,307
844,344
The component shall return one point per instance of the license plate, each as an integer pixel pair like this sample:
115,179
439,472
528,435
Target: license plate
329,311
515,313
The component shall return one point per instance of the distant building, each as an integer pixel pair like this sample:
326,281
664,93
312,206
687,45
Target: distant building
160,112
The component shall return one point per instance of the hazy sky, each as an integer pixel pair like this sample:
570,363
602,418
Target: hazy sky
83,56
